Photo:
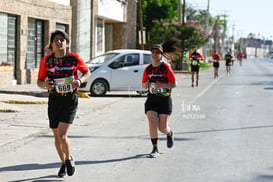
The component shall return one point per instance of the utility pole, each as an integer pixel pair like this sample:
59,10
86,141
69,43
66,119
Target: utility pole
179,10
207,18
233,38
140,24
183,13
182,41
207,29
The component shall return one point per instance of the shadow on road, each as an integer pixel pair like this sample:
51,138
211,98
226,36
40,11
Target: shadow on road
264,178
40,179
36,166
225,129
268,88
142,137
262,83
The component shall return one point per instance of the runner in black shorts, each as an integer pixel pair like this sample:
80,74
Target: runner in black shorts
216,58
228,58
62,109
58,73
195,58
159,79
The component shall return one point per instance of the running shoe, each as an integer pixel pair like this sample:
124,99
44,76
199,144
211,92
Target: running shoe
62,171
196,84
170,140
192,85
154,153
70,163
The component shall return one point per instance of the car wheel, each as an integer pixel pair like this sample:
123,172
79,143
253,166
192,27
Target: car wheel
99,88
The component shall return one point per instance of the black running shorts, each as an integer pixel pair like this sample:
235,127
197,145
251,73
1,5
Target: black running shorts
159,104
216,64
228,63
62,109
194,68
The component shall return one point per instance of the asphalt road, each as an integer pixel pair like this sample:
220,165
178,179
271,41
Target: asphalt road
223,133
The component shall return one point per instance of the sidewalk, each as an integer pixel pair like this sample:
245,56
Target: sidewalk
17,129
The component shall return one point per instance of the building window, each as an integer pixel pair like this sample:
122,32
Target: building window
61,27
8,40
34,43
12,40
3,38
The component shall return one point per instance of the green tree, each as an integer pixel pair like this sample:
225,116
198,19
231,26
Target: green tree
199,15
158,9
190,34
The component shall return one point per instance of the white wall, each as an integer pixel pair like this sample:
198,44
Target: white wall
251,52
112,9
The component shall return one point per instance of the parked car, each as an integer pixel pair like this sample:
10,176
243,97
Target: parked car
117,70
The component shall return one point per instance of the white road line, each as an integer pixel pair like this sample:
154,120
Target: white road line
206,89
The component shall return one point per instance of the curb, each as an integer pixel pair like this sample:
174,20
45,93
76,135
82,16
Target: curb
9,108
24,102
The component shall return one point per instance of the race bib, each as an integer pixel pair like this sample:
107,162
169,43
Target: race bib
194,62
154,90
63,85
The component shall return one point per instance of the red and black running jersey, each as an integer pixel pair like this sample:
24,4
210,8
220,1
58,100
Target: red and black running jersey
195,55
162,74
216,57
67,66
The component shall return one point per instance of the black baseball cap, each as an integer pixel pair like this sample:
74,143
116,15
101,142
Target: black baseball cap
157,46
59,32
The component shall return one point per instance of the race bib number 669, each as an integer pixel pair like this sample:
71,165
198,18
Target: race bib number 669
63,85
154,90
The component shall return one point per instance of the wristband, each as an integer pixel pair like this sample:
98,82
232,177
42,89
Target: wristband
80,81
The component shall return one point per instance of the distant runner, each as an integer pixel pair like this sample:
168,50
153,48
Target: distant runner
195,58
240,58
228,58
215,59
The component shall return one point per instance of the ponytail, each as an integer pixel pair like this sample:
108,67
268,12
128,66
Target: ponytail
170,46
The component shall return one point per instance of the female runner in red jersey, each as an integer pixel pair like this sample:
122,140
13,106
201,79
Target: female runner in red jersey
159,79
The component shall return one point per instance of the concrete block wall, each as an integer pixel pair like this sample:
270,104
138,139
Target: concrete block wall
6,75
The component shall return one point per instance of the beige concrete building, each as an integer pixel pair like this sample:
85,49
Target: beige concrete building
25,30
95,26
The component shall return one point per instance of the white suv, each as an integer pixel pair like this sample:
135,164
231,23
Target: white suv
117,70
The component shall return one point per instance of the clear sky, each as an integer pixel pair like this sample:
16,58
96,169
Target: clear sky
247,16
